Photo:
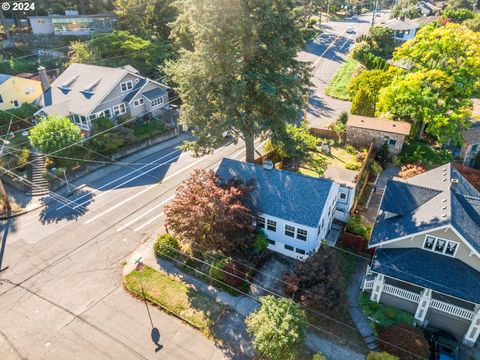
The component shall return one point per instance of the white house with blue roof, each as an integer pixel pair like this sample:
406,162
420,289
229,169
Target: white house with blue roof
295,211
427,251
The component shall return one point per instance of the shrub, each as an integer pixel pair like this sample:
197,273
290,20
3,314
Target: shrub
458,15
312,22
318,356
375,167
381,356
353,166
389,313
361,156
216,269
166,245
383,316
355,225
350,149
261,242
363,103
405,341
410,170
234,273
424,154
22,158
342,119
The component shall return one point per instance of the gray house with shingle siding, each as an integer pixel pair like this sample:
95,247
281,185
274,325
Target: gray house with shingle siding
427,251
294,211
86,92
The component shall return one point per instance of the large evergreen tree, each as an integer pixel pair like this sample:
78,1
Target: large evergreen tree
237,70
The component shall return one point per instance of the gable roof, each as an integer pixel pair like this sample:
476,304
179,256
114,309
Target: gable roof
378,124
436,198
290,196
70,85
427,269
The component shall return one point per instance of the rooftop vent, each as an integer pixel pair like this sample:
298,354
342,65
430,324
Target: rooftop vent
268,165
453,183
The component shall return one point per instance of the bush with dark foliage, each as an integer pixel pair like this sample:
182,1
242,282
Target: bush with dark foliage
316,282
405,341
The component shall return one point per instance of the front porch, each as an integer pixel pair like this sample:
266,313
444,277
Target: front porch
429,307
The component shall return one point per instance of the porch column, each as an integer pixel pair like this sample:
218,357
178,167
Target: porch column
364,281
423,305
378,283
474,329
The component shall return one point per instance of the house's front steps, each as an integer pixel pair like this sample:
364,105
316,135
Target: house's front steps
39,186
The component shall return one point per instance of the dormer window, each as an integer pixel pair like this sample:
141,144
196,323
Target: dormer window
125,86
441,246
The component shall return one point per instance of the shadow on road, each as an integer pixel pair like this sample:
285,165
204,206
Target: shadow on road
72,209
155,335
5,229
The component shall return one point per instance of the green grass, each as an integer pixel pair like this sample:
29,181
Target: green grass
176,297
337,88
144,130
383,316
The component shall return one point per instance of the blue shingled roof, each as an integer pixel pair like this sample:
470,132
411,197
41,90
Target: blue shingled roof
4,77
438,197
154,94
440,273
283,194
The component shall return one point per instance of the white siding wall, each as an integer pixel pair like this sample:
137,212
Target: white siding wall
41,26
314,235
344,205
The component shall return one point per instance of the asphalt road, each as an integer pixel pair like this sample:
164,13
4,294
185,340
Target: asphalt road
61,295
327,53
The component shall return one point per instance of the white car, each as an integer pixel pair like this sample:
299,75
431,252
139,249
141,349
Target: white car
350,30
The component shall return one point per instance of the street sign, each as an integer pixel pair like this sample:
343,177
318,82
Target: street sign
139,264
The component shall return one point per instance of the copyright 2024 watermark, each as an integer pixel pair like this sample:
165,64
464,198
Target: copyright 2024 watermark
18,6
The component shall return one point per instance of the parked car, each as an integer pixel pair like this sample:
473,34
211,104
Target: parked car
350,30
445,346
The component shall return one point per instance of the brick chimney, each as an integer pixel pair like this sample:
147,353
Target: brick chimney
43,78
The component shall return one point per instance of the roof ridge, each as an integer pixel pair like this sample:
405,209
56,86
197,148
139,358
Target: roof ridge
415,185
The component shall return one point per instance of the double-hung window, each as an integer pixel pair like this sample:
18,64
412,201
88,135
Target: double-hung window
260,222
138,102
290,231
288,247
302,234
119,109
439,245
271,225
125,86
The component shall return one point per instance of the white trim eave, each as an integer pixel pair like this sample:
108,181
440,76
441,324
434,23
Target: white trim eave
423,287
407,236
474,251
139,92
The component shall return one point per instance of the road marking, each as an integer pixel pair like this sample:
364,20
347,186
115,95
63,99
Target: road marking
121,177
149,221
145,213
125,182
143,191
320,57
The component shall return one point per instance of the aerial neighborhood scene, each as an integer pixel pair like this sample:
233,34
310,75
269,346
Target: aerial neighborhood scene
240,179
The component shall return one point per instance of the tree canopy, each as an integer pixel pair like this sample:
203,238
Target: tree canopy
278,327
51,135
237,70
210,216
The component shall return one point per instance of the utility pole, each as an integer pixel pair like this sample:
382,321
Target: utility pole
328,9
374,13
5,26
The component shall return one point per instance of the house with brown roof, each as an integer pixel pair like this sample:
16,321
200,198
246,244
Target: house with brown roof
362,130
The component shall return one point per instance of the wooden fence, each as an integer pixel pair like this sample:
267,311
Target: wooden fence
355,242
329,134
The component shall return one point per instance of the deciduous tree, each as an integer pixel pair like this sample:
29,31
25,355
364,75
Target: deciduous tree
54,134
278,327
238,70
213,217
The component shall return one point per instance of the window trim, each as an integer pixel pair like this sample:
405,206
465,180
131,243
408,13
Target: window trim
300,251
435,240
1,99
274,225
17,105
271,242
292,231
126,86
138,102
286,247
306,234
120,112
260,220
160,100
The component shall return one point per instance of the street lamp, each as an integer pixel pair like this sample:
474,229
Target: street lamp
139,268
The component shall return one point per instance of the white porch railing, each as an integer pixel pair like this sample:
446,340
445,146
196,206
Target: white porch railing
452,309
368,284
401,293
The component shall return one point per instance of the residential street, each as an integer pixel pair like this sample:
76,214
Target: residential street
327,52
61,295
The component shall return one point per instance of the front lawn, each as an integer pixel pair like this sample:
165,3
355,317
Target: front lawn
176,297
337,88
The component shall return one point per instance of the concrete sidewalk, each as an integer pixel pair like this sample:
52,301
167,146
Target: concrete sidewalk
232,329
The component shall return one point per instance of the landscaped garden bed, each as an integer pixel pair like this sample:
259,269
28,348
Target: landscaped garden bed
338,87
176,297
